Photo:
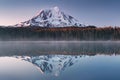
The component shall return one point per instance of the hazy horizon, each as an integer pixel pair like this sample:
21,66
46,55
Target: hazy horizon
88,12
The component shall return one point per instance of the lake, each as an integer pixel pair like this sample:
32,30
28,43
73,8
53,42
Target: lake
59,60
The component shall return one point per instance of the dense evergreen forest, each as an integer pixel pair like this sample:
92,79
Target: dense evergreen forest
66,33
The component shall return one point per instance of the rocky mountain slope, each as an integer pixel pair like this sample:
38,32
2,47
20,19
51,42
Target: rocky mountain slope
52,17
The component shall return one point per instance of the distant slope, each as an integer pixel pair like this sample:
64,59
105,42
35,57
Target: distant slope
53,17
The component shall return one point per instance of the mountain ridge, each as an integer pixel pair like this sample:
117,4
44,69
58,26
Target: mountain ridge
52,17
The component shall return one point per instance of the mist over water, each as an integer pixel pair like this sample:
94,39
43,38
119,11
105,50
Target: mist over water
59,60
10,48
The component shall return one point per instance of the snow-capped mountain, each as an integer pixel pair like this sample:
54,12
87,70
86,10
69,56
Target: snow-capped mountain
53,64
53,17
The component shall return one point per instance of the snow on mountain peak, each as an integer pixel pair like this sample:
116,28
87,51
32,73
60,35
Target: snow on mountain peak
40,12
53,17
56,9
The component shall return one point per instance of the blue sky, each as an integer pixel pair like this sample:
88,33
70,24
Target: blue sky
90,12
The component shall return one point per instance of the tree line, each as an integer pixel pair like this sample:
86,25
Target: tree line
61,33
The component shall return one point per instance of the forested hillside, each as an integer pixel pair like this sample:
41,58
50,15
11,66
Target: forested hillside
66,33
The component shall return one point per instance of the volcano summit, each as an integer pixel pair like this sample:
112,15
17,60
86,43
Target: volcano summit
52,17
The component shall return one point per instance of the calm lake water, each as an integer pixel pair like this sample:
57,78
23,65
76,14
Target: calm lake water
53,60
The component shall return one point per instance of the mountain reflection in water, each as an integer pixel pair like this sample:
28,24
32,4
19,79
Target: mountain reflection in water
76,60
53,64
60,67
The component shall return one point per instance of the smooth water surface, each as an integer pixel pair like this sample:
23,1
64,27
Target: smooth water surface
60,67
27,60
10,48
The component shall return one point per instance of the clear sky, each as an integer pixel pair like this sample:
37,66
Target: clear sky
90,12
